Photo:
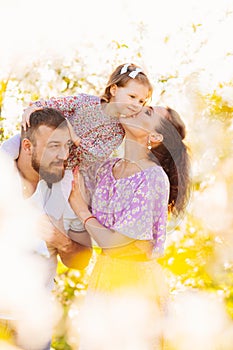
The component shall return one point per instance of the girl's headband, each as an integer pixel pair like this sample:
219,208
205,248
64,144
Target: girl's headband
132,74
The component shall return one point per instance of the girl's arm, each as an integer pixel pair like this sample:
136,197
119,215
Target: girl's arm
67,105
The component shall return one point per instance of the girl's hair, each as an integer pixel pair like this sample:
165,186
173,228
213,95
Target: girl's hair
121,79
173,155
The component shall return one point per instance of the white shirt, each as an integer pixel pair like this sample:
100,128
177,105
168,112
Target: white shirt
51,201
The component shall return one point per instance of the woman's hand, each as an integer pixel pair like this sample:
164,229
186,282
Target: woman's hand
29,110
78,196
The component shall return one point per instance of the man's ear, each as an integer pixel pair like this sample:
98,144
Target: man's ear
156,138
26,145
113,89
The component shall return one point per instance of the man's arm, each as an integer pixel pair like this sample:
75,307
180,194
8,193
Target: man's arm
73,254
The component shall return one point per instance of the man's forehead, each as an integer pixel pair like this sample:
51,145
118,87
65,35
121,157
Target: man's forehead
53,135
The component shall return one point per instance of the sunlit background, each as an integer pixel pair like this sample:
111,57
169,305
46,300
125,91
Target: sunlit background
52,48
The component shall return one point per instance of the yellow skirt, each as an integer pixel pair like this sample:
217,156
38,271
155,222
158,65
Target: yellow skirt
124,305
119,275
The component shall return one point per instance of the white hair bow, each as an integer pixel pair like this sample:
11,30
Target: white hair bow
135,72
132,74
124,68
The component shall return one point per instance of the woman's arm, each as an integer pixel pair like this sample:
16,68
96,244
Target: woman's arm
105,237
80,237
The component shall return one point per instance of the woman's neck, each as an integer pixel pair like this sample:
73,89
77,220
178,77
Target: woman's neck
134,151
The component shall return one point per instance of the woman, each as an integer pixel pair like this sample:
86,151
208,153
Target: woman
127,215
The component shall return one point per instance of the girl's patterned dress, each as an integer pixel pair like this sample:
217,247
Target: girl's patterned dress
100,133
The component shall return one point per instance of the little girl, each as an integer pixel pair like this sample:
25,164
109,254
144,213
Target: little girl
95,120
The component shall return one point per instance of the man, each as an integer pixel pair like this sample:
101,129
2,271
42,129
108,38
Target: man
41,164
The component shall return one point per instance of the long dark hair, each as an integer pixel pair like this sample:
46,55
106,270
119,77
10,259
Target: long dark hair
173,155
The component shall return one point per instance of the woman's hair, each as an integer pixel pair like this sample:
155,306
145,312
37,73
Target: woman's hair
173,155
121,76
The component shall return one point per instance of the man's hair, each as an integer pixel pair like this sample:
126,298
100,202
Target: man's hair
50,117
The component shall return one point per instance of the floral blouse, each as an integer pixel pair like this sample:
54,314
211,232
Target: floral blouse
135,206
100,133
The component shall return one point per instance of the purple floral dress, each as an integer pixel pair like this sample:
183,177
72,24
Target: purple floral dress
100,133
135,206
119,288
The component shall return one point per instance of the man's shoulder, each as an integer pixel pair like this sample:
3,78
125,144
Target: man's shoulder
11,146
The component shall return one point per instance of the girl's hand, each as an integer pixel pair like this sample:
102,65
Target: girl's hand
76,140
29,110
78,196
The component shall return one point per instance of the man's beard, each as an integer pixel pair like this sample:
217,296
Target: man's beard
46,173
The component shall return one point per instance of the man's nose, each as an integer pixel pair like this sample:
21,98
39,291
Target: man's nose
63,153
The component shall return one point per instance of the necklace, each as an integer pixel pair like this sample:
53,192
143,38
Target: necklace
139,162
124,167
132,161
27,189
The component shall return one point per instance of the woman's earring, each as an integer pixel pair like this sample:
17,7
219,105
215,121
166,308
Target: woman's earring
149,144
